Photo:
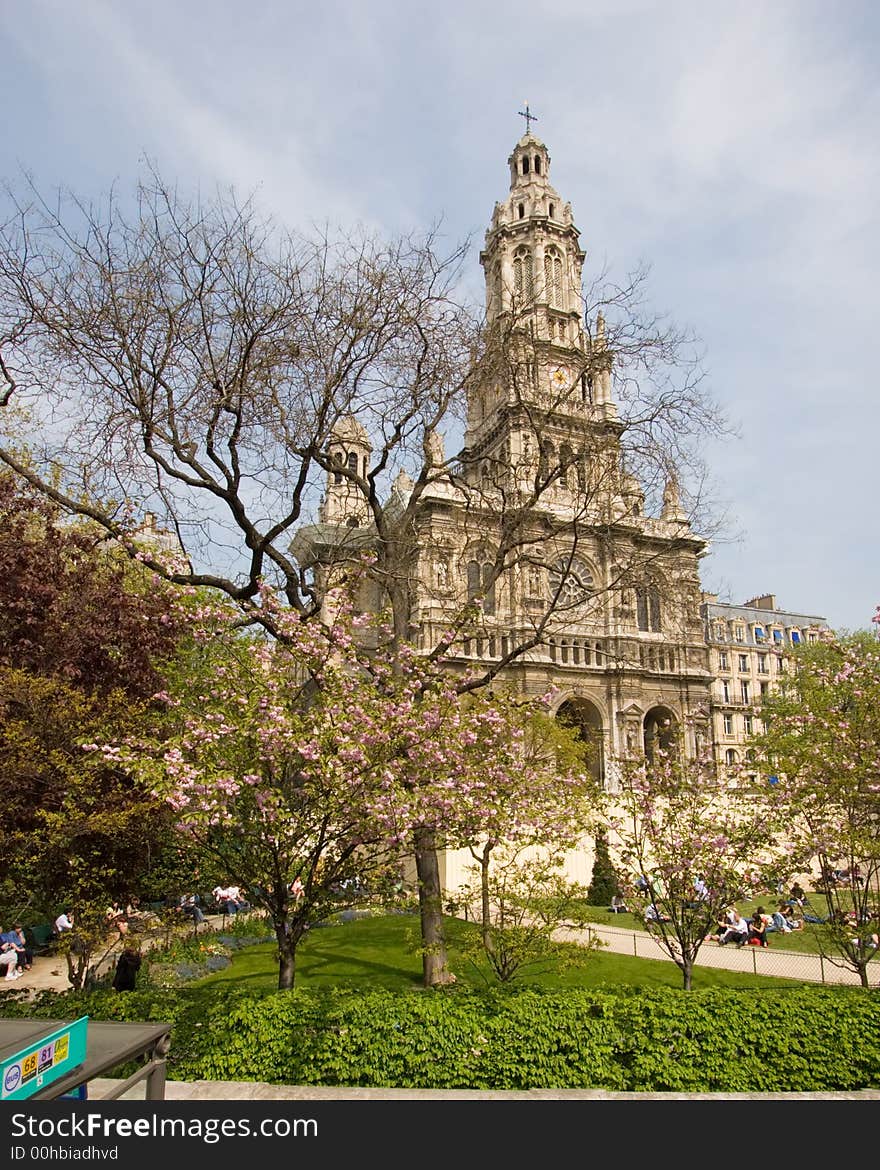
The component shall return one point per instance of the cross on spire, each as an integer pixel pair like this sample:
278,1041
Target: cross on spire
528,115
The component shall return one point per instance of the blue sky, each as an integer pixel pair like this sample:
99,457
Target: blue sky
735,147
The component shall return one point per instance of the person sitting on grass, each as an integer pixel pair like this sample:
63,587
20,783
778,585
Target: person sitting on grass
618,905
654,914
758,928
737,932
797,895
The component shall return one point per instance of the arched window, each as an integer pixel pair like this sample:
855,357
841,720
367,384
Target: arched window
352,462
551,210
337,461
525,165
522,210
522,274
537,164
648,608
553,278
479,582
730,757
565,461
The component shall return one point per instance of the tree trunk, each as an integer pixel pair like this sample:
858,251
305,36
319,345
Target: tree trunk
486,909
288,939
435,963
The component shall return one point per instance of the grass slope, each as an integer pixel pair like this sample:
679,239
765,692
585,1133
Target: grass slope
383,952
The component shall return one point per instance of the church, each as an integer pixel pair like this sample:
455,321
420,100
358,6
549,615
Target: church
540,521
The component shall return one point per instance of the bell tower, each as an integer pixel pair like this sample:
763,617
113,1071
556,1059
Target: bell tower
550,398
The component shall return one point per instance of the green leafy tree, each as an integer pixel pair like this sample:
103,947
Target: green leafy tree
604,884
529,901
83,633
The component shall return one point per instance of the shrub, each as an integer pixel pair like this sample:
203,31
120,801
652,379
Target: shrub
605,882
798,1039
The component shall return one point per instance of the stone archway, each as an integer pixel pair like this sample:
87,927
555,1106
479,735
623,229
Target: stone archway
586,718
660,731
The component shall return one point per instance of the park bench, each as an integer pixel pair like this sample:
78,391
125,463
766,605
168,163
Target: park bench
41,938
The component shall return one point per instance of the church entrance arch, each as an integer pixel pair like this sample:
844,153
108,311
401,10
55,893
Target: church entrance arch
661,731
586,719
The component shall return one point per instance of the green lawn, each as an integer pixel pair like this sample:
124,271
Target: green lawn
382,952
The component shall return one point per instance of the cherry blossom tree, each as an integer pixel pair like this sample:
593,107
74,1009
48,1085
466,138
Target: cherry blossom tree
701,837
822,739
299,765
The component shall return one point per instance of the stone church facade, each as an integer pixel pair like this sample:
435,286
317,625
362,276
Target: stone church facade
606,597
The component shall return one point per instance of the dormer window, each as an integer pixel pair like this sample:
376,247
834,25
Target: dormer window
525,165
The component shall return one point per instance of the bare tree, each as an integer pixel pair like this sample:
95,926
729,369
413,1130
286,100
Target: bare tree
197,363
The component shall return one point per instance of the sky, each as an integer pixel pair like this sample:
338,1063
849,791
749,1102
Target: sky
734,147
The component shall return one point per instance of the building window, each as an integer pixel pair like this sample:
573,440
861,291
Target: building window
765,689
743,662
728,725
779,665
352,462
744,689
565,462
725,691
740,633
480,583
722,661
525,166
337,463
777,637
537,164
522,274
747,721
571,582
762,664
730,757
522,210
795,638
553,279
648,608
760,634
551,211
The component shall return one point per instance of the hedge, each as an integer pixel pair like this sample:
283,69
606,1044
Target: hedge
713,1040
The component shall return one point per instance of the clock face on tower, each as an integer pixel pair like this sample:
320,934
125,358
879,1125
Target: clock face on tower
560,377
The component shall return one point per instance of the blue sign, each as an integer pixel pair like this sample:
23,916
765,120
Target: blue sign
45,1061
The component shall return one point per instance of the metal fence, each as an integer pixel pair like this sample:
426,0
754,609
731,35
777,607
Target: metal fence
773,961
